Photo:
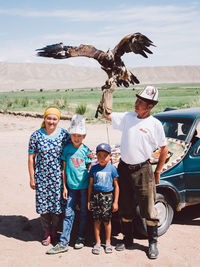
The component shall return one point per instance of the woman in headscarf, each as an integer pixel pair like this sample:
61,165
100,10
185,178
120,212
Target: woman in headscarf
45,170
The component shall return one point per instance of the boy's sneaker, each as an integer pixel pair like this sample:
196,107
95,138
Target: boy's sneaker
80,242
57,249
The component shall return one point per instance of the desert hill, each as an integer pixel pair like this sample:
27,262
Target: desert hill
28,76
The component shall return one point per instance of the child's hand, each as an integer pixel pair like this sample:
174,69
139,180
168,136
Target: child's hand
91,155
89,208
65,193
115,207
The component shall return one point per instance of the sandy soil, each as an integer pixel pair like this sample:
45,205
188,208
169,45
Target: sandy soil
20,227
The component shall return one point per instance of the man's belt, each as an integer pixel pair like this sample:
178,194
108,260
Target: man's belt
134,167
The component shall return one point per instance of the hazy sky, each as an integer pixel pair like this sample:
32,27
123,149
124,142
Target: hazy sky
173,26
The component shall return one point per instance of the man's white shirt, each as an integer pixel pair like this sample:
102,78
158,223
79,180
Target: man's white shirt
139,136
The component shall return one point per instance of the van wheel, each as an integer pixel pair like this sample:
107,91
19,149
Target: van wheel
165,214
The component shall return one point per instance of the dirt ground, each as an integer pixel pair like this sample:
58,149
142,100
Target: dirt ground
20,227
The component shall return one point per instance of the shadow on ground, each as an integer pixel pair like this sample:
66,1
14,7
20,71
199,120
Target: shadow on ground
189,216
21,228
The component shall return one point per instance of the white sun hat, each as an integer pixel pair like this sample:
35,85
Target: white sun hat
149,93
77,125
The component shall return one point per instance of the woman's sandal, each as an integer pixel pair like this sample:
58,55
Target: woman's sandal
46,240
108,249
96,249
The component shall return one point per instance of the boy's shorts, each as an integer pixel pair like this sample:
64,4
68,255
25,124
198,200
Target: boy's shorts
101,206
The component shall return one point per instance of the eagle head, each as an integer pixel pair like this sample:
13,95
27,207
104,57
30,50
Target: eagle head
109,55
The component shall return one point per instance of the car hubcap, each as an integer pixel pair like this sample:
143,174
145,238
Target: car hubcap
162,212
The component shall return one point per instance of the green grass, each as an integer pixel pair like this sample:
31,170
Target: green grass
170,95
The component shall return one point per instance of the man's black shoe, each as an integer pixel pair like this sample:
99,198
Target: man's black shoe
153,251
125,245
120,247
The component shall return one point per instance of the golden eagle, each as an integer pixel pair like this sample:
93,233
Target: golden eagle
110,61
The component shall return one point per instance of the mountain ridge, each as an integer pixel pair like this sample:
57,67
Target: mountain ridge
34,76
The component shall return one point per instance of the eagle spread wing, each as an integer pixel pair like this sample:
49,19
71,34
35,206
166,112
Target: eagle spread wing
136,43
110,61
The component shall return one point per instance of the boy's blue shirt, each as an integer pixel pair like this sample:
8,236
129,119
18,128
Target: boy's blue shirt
103,177
76,170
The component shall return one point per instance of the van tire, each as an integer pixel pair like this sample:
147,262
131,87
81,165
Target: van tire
165,213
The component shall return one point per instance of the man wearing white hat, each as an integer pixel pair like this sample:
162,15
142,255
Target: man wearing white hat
141,134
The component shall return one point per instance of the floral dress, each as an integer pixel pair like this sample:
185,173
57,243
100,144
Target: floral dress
48,169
